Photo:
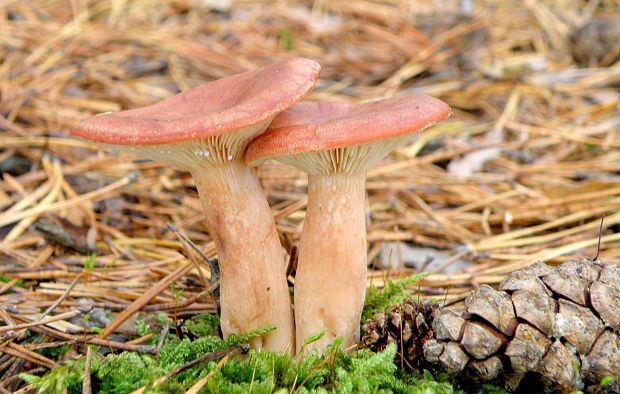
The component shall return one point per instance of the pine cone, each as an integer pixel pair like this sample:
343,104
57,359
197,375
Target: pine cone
556,329
408,325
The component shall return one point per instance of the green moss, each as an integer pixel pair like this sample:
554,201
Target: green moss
142,327
125,372
6,279
203,324
361,372
238,339
286,38
261,372
176,352
53,352
392,293
67,377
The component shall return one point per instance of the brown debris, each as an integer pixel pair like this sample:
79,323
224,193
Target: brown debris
538,268
547,127
433,350
60,231
596,42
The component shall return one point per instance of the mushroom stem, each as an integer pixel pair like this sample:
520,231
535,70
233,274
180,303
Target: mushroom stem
253,286
331,274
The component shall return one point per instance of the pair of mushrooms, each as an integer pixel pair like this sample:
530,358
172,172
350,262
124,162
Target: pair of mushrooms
218,131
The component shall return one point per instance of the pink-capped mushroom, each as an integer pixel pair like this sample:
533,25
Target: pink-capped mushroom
205,130
336,143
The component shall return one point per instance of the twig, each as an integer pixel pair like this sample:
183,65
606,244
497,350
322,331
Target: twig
182,304
164,334
291,267
148,349
8,219
145,298
16,379
62,316
441,267
47,345
600,235
27,354
187,244
213,266
86,389
195,389
4,316
62,298
231,351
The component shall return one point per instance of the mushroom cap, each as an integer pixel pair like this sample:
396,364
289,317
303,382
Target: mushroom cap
318,126
218,107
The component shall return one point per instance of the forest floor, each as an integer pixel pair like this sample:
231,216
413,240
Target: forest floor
524,169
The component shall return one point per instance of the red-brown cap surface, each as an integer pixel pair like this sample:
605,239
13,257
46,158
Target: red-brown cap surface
318,126
214,108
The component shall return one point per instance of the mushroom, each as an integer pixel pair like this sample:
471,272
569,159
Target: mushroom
336,143
205,130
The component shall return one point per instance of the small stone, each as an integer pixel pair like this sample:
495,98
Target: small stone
596,40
